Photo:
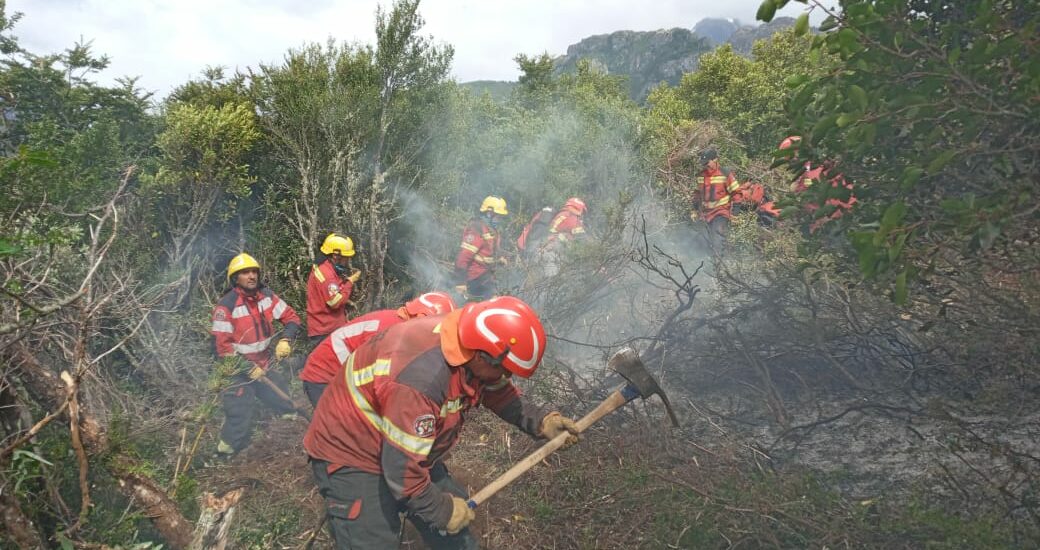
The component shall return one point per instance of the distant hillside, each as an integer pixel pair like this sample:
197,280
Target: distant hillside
716,31
650,57
498,89
744,37
646,58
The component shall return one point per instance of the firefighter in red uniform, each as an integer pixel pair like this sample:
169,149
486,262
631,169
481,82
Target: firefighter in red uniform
838,205
329,287
327,359
243,329
387,420
480,251
567,225
714,198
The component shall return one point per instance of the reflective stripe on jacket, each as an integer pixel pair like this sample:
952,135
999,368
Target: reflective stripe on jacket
242,324
397,408
327,297
717,193
478,250
566,226
327,359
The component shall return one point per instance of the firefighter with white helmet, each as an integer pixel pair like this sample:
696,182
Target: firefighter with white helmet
384,425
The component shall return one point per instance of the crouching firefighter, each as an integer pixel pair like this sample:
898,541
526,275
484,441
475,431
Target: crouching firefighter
388,419
243,332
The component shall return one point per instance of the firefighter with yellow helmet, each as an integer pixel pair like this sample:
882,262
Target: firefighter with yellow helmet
480,251
329,287
243,331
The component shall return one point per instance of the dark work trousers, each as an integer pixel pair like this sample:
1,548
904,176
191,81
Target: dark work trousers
363,514
482,288
718,228
313,391
240,406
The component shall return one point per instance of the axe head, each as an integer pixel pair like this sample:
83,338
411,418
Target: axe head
626,363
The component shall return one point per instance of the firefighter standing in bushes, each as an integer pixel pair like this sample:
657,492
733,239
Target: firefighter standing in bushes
243,331
714,197
388,419
327,359
329,287
480,251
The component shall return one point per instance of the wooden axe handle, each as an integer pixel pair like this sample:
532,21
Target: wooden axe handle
285,397
607,406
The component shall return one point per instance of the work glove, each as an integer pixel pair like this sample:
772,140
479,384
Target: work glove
256,372
282,349
694,215
554,424
354,276
461,515
461,289
503,261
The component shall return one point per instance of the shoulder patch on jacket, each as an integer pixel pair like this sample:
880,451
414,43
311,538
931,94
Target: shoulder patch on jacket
229,300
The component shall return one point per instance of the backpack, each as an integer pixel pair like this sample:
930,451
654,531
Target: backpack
536,230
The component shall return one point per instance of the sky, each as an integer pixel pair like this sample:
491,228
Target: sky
168,42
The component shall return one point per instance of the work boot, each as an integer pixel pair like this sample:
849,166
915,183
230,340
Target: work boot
223,455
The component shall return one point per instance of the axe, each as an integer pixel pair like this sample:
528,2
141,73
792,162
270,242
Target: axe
640,384
285,397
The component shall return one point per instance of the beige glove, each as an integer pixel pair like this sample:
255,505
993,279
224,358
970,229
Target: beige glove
503,261
461,515
354,276
554,424
256,372
283,349
461,289
694,215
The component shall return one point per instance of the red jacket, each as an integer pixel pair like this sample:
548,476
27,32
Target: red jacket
480,246
717,193
242,324
327,296
566,226
840,206
397,408
327,359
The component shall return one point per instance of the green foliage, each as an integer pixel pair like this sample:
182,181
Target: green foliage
934,109
203,147
746,95
65,140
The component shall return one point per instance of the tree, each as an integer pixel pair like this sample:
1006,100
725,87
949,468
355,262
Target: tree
202,167
746,95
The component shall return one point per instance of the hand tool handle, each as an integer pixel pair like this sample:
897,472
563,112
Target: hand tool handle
285,397
609,405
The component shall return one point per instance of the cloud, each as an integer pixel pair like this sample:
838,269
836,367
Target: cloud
166,42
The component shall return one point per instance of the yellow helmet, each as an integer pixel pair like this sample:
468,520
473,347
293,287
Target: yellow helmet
239,263
337,244
494,204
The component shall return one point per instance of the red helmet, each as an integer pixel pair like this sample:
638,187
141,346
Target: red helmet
575,204
506,328
431,303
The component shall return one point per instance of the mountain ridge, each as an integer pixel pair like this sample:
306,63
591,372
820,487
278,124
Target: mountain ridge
648,58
